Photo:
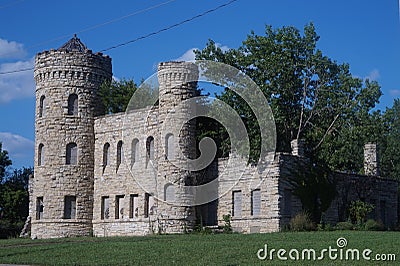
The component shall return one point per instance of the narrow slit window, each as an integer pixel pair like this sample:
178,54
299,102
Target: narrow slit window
133,206
42,106
39,208
237,203
105,207
150,148
119,153
106,154
134,151
255,202
148,205
169,193
119,207
72,154
169,146
41,154
287,208
73,104
69,207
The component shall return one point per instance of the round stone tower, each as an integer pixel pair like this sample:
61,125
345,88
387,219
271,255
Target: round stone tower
177,83
67,100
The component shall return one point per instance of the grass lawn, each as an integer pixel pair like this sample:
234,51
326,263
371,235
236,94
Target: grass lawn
196,249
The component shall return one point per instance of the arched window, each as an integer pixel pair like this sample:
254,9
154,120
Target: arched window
41,154
73,104
169,193
42,106
106,154
119,153
134,151
150,148
72,153
169,147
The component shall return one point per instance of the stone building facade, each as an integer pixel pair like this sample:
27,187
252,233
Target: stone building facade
119,174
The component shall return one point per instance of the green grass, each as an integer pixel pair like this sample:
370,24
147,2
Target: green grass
193,249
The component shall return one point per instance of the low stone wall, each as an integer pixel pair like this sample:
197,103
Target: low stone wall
56,228
139,227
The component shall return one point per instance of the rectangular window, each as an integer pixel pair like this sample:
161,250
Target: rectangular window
69,207
287,202
133,206
237,203
255,202
39,208
119,207
105,207
383,211
146,204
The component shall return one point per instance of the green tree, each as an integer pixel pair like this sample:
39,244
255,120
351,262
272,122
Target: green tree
115,95
312,96
14,197
390,146
4,162
14,202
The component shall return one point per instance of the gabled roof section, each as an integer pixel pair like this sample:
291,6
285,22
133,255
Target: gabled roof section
74,45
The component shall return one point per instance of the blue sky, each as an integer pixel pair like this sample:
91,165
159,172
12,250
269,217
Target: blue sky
365,34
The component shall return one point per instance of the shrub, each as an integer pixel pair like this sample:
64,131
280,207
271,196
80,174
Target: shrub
372,225
344,226
9,229
301,222
327,227
227,226
359,210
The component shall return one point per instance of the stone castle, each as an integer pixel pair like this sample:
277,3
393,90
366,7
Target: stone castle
87,165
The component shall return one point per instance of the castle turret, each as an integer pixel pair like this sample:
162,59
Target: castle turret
67,100
177,83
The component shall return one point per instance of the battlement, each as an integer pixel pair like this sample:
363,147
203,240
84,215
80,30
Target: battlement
176,73
75,65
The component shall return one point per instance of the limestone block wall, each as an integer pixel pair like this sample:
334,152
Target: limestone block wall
273,191
380,192
177,83
60,122
146,179
133,177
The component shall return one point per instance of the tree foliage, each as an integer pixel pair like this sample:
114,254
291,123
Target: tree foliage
14,198
390,142
4,162
115,95
312,96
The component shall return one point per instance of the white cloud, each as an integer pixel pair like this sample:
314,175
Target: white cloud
11,49
187,56
16,85
17,146
224,48
190,56
373,75
394,93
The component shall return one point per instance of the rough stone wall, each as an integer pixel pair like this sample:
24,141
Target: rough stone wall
177,84
58,74
128,179
371,160
146,176
380,192
273,186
